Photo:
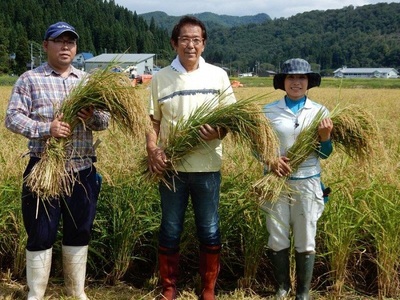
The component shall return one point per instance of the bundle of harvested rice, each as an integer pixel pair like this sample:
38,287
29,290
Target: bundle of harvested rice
109,92
243,119
105,91
355,132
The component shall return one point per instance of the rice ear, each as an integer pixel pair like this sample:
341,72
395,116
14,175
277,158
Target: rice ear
355,132
109,92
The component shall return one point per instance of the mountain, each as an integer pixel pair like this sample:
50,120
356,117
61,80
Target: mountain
364,36
166,21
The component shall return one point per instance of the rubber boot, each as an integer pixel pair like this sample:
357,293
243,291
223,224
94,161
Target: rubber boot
281,270
38,266
304,271
168,260
209,269
74,268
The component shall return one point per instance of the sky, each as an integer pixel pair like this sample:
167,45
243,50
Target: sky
274,8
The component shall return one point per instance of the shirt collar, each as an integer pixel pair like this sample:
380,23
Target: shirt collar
282,103
177,66
49,70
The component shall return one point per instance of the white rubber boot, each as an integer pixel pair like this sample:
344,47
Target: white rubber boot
74,268
38,266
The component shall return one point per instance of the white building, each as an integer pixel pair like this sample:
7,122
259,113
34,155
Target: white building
80,59
345,72
248,74
143,62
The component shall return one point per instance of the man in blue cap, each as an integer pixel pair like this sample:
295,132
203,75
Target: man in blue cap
33,111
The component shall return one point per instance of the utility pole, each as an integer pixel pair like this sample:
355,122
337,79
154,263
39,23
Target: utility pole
34,49
32,58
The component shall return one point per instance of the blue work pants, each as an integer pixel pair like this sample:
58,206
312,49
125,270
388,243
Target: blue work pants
204,190
42,217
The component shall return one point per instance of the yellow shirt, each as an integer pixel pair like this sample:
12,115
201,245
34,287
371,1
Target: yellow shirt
175,95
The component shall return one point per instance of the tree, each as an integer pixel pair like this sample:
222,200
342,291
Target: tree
361,36
22,55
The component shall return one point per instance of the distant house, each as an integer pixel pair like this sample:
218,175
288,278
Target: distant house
80,59
248,74
345,72
266,73
122,62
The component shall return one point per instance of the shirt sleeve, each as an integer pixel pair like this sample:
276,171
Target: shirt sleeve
228,97
325,149
99,121
18,112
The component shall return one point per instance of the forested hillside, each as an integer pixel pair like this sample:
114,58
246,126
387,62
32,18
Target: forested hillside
163,20
103,27
367,36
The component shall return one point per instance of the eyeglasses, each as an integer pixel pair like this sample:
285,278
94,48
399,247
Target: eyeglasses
61,42
186,40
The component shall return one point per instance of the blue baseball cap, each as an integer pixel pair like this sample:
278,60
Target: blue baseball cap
55,30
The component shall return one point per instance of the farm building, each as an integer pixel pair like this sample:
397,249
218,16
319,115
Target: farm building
80,59
143,62
345,72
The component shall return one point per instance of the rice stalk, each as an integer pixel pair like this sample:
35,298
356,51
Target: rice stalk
49,177
342,224
355,133
109,92
243,119
105,91
381,209
270,186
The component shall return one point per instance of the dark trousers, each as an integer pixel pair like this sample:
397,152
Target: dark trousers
42,217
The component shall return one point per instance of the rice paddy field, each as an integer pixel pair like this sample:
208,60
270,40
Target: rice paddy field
358,235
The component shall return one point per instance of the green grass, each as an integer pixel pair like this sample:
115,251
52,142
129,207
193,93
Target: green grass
372,83
6,80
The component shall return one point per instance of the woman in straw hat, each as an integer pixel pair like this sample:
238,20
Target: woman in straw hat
301,207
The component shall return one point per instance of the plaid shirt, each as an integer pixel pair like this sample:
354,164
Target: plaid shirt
36,97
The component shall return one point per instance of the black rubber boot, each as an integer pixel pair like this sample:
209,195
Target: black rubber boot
304,271
281,269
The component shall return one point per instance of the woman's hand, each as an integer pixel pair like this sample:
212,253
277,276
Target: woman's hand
281,167
325,129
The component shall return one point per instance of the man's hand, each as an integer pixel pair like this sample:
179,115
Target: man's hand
209,133
156,160
86,113
59,129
